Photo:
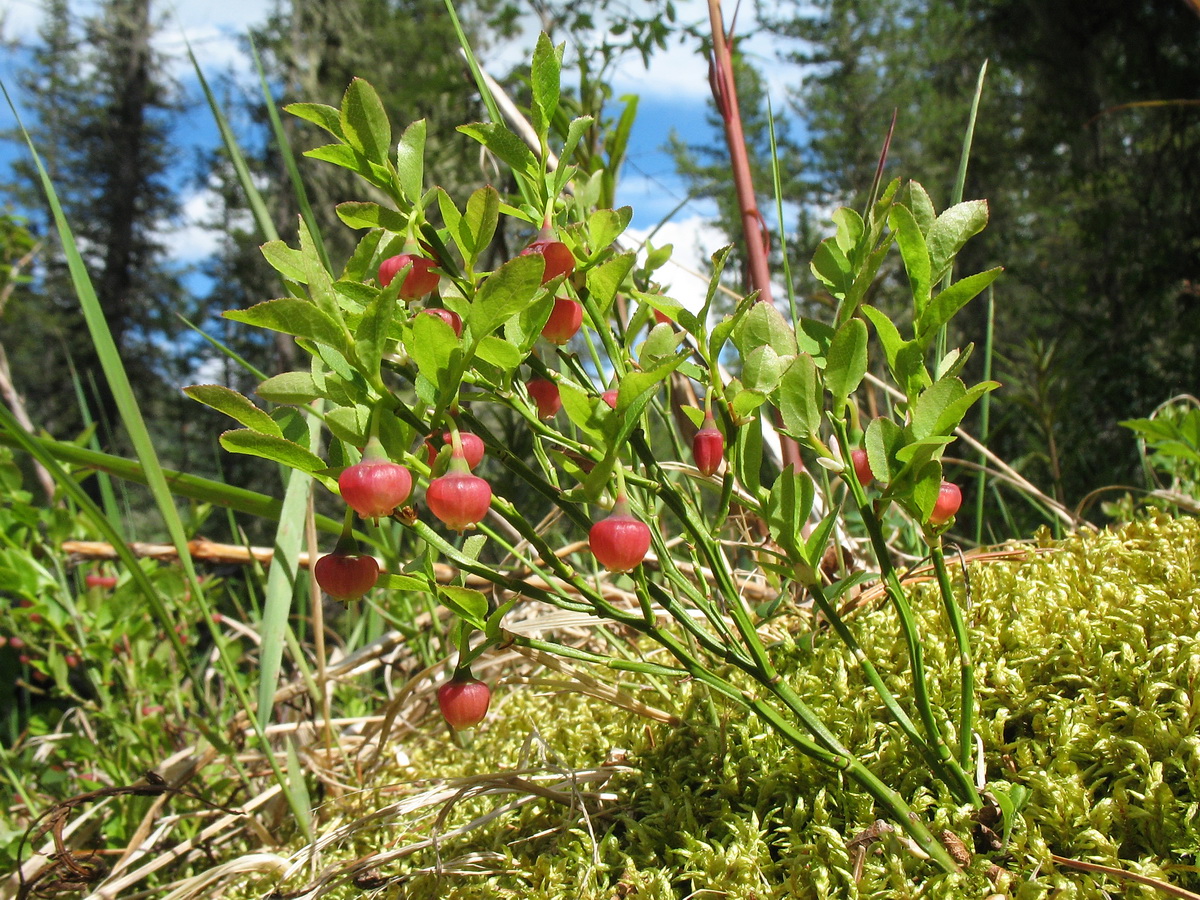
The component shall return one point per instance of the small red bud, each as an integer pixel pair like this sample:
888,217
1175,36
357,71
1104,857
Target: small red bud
545,394
472,444
420,279
610,397
100,581
708,447
449,316
558,256
862,467
565,320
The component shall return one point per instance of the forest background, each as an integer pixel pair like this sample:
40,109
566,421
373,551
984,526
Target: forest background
1085,147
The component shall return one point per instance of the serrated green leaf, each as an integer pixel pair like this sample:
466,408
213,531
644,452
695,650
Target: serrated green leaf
888,334
914,253
478,224
289,388
365,122
951,231
930,405
747,454
764,326
635,391
295,317
499,353
847,363
350,424
468,604
605,225
659,345
435,348
505,145
947,303
882,441
286,261
408,583
584,411
850,229
410,161
799,398
372,336
916,199
544,77
763,369
234,405
788,504
952,415
319,114
344,156
832,268
504,293
278,449
604,280
361,214
814,546
746,401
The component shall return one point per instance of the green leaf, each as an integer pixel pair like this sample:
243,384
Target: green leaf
914,253
468,604
951,231
500,353
544,79
433,346
585,412
799,398
635,391
882,442
850,229
289,388
764,325
747,455
659,345
931,403
763,369
346,157
234,405
745,402
361,214
832,269
952,415
287,262
397,582
478,224
372,336
410,162
492,629
814,547
606,279
788,504
319,114
365,122
605,225
847,363
296,317
349,423
946,304
505,145
504,293
916,199
278,449
928,484
888,334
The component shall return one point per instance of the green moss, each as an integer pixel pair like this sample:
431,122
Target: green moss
1088,666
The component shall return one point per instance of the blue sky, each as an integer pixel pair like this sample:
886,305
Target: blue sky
674,96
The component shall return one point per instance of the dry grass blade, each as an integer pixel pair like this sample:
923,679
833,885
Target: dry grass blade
1162,886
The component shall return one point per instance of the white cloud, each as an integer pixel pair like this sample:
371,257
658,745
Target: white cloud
191,241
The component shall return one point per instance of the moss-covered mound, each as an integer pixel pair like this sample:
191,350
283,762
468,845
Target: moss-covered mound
1087,659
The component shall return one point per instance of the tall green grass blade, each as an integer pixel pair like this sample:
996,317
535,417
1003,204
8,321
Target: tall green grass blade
108,497
960,181
281,578
777,183
289,161
226,350
985,409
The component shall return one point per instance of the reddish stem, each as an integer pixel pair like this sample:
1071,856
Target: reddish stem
753,226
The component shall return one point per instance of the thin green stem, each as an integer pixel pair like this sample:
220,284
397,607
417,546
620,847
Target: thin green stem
966,712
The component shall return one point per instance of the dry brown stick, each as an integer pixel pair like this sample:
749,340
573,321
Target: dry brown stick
1162,886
